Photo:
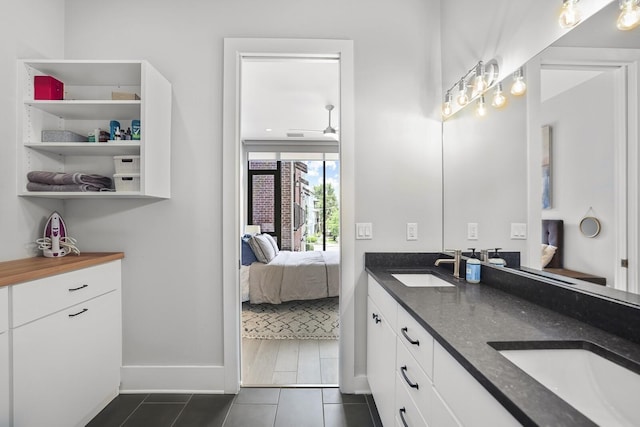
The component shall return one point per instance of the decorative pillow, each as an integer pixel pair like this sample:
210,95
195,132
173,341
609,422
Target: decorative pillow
273,243
262,248
248,257
547,253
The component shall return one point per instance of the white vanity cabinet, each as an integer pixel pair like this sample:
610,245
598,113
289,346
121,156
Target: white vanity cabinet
381,349
66,345
431,387
4,355
87,106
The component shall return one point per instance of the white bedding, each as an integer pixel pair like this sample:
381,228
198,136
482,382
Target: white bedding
294,276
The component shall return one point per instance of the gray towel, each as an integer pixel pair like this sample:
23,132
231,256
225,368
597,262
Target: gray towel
59,178
38,186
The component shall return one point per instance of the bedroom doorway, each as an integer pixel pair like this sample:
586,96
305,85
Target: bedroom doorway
290,313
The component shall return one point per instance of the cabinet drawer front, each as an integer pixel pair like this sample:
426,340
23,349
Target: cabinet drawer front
406,410
38,298
417,340
415,380
4,309
385,302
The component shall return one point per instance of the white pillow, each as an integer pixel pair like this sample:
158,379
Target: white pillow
262,248
273,243
547,253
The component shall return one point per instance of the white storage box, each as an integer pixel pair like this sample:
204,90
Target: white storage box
127,181
127,164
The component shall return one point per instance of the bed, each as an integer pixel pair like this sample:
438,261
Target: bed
553,253
286,275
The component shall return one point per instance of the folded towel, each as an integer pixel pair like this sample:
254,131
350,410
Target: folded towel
58,178
37,186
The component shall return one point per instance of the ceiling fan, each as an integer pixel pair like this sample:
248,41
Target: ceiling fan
328,131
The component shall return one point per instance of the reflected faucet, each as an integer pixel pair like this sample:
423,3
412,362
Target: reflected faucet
457,255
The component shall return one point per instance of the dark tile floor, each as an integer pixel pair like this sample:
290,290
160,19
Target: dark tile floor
252,407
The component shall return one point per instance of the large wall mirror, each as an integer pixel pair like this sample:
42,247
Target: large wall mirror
565,151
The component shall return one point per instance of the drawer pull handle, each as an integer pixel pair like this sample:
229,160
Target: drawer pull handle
78,288
408,338
84,310
376,318
402,411
403,371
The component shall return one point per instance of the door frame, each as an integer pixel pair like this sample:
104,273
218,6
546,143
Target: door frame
233,174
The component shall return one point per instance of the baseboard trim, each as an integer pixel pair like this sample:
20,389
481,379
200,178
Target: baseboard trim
172,379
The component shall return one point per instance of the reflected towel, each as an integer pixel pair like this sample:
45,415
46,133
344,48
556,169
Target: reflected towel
58,178
37,186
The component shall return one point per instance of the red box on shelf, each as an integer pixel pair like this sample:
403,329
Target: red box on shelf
47,87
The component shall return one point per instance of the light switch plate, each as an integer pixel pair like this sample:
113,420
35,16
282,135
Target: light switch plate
412,231
518,231
472,231
364,231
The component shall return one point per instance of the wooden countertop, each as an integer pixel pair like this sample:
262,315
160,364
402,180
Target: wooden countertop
27,269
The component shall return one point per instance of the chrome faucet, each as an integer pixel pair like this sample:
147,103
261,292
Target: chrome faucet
457,255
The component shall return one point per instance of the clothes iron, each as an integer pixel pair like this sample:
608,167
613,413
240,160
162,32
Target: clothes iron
55,242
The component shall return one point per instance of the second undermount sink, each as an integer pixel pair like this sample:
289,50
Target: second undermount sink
421,280
602,390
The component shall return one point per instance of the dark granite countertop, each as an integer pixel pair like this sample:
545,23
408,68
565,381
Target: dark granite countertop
464,319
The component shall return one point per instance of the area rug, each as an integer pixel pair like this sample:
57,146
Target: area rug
315,319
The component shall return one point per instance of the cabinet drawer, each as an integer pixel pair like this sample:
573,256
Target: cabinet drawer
406,411
385,302
4,309
38,298
415,380
417,340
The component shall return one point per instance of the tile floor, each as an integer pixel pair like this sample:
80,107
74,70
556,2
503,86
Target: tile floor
252,407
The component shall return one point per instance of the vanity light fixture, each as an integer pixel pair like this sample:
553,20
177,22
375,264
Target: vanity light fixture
498,100
446,107
630,16
479,81
481,108
463,98
570,14
519,87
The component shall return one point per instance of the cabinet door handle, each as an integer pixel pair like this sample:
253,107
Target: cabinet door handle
402,411
84,310
376,318
408,338
403,371
78,288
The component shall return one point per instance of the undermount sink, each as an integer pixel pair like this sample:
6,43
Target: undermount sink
602,390
421,280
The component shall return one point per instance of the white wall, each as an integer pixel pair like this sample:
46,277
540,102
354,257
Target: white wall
28,29
583,172
172,290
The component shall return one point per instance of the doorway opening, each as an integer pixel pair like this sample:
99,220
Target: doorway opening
290,317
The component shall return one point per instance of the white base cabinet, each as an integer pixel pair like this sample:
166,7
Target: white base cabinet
66,361
421,384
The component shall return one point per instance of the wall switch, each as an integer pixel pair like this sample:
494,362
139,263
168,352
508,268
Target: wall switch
472,231
518,230
364,231
412,231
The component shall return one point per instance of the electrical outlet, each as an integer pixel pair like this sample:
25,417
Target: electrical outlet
412,231
472,231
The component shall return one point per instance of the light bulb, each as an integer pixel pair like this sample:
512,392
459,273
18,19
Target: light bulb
481,108
463,98
498,100
519,87
479,83
446,107
630,16
570,14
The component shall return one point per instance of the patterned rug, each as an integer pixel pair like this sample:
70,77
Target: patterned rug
316,319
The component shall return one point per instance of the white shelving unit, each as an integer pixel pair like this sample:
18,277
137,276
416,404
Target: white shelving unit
87,105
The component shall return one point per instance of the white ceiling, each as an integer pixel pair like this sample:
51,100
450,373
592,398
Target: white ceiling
286,94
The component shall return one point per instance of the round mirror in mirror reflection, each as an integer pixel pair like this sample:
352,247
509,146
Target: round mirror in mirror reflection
590,226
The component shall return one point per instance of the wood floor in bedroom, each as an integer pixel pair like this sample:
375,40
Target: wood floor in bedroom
289,362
